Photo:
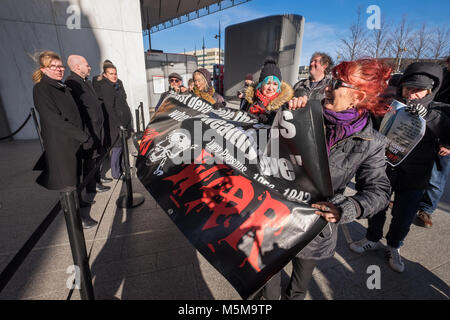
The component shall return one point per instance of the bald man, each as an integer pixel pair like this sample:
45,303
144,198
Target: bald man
92,117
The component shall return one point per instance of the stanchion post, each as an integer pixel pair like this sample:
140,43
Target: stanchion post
141,106
71,209
130,200
38,128
138,122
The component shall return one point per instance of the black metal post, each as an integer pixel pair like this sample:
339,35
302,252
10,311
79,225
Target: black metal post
71,209
130,200
38,128
141,106
138,122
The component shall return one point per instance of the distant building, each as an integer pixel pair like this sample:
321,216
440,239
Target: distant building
211,57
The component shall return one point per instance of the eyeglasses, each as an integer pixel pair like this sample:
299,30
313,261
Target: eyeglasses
174,80
55,67
337,83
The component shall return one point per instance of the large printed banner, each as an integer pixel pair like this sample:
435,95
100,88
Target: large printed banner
239,190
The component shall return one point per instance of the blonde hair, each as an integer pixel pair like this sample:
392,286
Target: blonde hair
45,58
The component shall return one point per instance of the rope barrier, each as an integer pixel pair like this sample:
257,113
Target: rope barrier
17,131
12,267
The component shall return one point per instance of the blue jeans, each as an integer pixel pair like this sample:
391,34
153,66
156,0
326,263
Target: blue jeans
406,204
436,186
116,159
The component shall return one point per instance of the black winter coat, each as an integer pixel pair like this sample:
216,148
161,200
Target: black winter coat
415,171
90,109
116,110
444,92
362,155
62,134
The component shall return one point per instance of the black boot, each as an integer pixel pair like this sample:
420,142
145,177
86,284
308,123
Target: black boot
87,221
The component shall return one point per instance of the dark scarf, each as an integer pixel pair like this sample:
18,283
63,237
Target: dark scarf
340,125
261,102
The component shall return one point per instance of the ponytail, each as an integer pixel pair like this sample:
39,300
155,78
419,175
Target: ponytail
37,75
44,60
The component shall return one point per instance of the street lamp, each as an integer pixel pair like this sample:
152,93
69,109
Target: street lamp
400,59
218,36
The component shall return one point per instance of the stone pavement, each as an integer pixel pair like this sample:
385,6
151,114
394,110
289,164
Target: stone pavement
140,254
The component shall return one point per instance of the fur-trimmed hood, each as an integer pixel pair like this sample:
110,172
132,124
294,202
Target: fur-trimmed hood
285,95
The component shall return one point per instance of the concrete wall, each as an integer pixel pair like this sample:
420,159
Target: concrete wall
97,30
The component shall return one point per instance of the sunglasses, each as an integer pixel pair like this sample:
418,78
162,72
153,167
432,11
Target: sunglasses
174,80
338,83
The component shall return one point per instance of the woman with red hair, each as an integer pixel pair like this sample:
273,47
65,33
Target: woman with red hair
355,149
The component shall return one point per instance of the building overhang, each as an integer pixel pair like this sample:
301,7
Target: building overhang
158,15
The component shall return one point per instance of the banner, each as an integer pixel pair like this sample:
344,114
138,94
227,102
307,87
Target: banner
240,191
403,131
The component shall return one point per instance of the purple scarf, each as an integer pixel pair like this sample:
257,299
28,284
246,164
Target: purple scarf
340,125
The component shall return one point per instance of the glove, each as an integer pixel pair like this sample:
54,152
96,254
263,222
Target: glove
416,109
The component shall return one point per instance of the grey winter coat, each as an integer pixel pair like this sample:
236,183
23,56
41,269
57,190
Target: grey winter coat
361,155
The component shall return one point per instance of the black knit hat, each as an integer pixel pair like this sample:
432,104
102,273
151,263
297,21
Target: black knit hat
270,68
205,73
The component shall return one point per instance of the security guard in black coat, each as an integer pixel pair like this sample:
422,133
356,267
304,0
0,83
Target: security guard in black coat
92,117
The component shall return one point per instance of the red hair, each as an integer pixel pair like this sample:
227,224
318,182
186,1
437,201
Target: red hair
370,76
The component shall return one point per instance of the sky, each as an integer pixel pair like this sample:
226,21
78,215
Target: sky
326,22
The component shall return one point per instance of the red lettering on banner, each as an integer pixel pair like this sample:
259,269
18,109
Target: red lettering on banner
147,139
270,214
192,175
225,196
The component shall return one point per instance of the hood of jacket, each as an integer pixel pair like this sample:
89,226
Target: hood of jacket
285,95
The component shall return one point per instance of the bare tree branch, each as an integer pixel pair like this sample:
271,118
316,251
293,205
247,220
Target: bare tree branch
401,41
440,42
379,41
354,45
420,43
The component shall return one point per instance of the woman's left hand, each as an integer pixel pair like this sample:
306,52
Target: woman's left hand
328,211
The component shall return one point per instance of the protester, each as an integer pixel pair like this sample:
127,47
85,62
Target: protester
313,88
91,115
61,125
444,93
355,149
248,81
268,95
191,85
441,167
112,94
175,85
417,89
435,188
204,89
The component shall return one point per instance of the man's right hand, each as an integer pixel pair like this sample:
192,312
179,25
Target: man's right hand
443,151
298,102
